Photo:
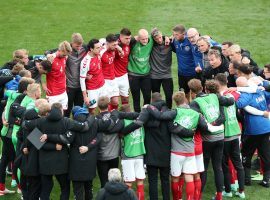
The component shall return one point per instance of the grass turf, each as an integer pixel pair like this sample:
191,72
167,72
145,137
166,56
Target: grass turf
41,25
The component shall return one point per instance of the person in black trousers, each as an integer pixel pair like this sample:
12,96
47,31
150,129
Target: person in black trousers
53,156
109,148
161,62
30,177
158,162
210,106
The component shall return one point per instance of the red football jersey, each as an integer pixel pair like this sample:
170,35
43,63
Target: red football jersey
236,95
198,143
91,76
107,63
56,79
121,63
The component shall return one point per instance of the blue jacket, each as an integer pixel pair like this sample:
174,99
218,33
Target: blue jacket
13,84
254,124
267,84
185,60
198,56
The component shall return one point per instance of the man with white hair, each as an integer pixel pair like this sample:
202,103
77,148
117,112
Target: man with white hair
239,55
115,188
139,69
193,35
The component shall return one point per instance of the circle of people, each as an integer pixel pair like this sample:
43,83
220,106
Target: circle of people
222,102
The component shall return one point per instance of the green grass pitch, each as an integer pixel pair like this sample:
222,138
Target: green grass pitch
40,25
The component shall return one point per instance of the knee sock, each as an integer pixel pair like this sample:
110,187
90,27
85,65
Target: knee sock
232,172
140,192
2,187
190,190
124,100
175,190
219,196
197,189
261,166
112,107
181,185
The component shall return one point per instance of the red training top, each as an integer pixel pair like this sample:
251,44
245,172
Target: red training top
91,76
56,79
121,63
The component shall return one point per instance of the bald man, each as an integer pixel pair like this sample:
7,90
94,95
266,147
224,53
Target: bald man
255,135
139,69
193,35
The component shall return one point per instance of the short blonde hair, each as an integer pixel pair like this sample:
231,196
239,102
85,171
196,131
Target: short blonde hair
32,89
179,98
103,102
114,175
65,46
25,73
76,38
195,85
43,106
19,53
235,48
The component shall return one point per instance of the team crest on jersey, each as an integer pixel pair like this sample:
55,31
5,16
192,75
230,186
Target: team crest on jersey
126,49
212,112
136,134
187,48
186,122
231,112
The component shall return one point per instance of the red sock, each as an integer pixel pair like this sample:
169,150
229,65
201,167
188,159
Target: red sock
124,100
232,172
113,107
197,189
181,185
19,186
175,190
109,107
190,190
219,196
2,186
261,166
140,192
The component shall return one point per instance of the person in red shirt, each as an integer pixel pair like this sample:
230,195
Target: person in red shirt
107,63
121,63
56,78
91,75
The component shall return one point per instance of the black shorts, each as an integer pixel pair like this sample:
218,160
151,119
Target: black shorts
183,82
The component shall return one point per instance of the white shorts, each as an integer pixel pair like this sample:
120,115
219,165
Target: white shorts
182,164
199,163
95,94
123,85
111,88
133,169
61,98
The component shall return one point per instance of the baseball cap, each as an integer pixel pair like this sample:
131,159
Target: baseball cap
79,110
